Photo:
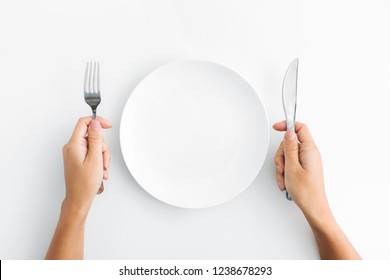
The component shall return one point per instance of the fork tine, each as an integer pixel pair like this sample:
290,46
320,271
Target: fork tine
86,78
90,77
93,78
98,78
95,70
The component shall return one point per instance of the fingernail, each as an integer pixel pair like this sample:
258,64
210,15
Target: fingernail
290,135
95,124
280,185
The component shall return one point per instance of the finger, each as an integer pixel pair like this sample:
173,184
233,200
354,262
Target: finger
280,126
104,123
105,175
304,135
279,157
106,156
279,163
280,181
301,130
291,149
81,127
95,142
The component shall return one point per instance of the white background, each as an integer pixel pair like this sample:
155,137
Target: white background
343,86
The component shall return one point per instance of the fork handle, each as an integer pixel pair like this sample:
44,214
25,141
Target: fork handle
101,189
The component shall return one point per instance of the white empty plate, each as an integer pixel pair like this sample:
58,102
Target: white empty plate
194,134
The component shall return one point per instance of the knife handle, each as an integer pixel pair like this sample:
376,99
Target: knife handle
290,122
290,126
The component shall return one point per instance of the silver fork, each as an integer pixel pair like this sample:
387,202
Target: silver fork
92,86
92,93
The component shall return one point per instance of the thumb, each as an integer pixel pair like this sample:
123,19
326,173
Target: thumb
291,149
95,141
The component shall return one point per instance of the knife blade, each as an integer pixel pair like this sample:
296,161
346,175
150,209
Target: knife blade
289,94
289,97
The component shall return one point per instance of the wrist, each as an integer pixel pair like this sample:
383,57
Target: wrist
74,211
320,218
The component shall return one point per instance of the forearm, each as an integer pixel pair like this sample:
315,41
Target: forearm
68,239
332,243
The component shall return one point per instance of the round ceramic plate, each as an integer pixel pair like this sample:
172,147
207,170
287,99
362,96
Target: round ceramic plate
194,134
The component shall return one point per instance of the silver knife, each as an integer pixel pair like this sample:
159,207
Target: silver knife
289,97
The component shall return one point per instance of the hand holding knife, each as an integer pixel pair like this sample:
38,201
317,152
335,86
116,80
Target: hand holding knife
289,97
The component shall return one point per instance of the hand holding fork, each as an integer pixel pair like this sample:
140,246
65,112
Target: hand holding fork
92,93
